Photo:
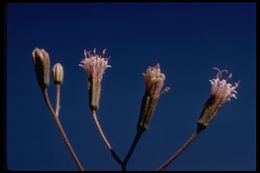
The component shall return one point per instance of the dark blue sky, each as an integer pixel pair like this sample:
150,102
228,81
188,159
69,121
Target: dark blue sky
187,39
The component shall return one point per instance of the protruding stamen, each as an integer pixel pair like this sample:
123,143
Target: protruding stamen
229,76
221,88
167,89
104,51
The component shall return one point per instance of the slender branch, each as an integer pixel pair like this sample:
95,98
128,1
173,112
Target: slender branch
132,148
178,153
63,134
113,153
57,99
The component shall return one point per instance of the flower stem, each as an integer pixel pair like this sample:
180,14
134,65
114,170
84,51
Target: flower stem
63,134
178,153
57,100
131,150
113,153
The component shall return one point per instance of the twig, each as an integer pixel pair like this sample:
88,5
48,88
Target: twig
131,150
63,134
57,100
178,153
113,153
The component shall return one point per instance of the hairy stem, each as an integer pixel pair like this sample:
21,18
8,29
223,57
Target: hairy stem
63,134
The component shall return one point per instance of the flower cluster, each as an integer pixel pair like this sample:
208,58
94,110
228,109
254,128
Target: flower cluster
95,65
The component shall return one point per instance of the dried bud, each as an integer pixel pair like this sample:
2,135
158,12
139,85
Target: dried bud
41,63
95,66
221,91
154,81
57,73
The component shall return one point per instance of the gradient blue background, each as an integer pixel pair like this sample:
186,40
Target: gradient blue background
187,39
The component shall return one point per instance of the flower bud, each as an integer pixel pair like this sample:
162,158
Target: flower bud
57,74
41,63
154,81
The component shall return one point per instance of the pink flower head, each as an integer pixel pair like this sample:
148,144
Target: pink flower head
94,64
222,90
154,80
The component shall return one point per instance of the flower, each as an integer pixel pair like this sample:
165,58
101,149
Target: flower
95,66
221,91
154,81
41,62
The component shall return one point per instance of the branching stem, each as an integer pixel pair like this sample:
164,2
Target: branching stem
132,148
59,125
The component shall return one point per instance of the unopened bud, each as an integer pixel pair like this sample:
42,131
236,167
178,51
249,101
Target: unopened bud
57,74
41,63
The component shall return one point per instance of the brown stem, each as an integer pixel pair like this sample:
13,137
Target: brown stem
132,148
113,153
57,99
178,153
63,134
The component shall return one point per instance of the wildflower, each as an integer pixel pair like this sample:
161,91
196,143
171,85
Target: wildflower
221,91
57,73
41,63
154,81
95,66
